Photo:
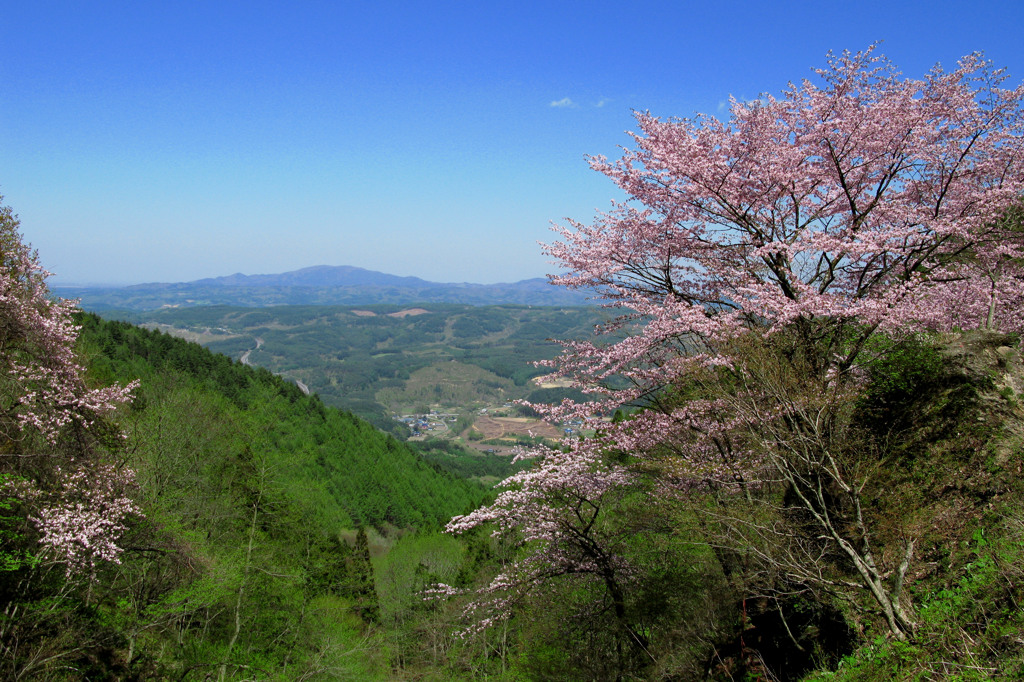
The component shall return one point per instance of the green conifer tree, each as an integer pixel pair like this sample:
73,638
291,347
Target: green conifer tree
361,584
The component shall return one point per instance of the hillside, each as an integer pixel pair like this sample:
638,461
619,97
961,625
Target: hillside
952,417
247,562
248,551
344,468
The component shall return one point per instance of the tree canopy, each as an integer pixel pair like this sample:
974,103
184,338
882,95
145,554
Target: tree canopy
756,263
52,429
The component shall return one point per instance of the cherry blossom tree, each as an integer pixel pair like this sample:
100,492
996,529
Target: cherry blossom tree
555,514
856,203
52,427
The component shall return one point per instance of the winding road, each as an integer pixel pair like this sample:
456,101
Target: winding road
259,343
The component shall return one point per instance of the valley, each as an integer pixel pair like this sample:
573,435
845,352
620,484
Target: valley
399,365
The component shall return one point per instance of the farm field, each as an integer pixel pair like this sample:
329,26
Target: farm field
513,427
379,361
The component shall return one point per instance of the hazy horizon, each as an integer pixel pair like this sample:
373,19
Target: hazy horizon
56,281
159,142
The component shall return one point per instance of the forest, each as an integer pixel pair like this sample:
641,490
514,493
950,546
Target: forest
796,454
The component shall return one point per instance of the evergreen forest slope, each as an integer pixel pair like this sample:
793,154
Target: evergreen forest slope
218,410
251,559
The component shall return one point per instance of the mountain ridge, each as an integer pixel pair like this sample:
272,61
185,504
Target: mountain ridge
318,276
318,285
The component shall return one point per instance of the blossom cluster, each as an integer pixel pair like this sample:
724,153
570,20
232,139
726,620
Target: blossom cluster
84,516
38,337
77,502
857,203
866,202
552,513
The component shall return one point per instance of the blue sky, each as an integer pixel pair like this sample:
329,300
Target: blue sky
159,141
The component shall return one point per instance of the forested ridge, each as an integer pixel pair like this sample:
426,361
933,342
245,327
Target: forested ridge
248,554
340,462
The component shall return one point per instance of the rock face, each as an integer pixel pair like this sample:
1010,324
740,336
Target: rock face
995,371
944,470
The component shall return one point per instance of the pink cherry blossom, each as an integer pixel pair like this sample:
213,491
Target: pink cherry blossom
77,502
853,203
84,515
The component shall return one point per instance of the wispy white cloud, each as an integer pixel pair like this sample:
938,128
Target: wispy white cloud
601,102
563,103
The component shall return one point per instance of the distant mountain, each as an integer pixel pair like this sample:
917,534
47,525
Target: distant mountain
319,285
319,276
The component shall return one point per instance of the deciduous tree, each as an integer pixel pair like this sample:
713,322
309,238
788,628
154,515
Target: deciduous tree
52,425
856,203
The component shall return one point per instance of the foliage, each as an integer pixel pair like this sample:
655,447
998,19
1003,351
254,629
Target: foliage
466,463
332,456
904,368
52,431
970,629
755,264
66,496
